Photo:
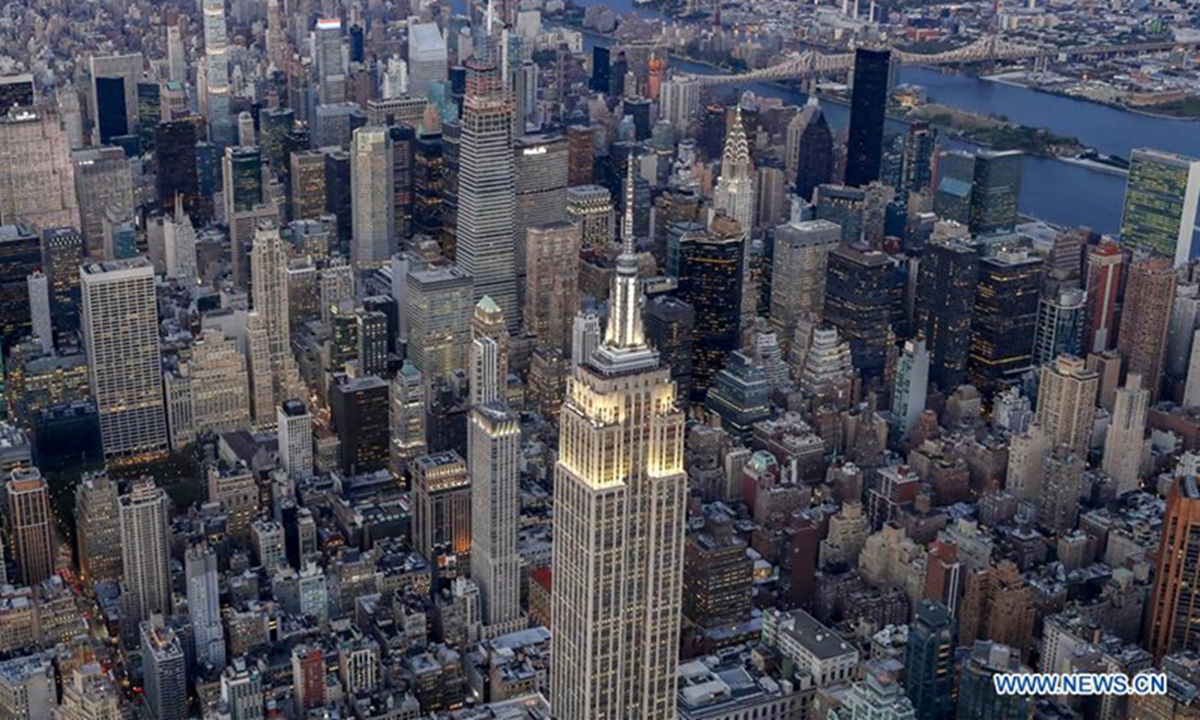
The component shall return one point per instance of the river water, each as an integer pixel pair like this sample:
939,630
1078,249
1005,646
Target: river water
1051,190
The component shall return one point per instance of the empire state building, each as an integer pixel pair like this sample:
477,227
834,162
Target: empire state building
619,511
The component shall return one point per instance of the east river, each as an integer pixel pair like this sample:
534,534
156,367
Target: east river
1052,190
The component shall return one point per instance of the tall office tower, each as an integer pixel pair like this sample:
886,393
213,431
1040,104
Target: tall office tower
308,678
711,278
1005,317
486,192
307,178
330,61
179,247
429,178
406,414
1146,319
585,337
295,425
176,57
493,459
808,154
204,604
403,138
916,163
214,94
1161,199
619,494
487,321
590,208
39,309
995,190
911,387
176,171
113,94
337,286
103,181
20,256
947,281
359,408
120,336
372,341
428,59
552,283
1060,322
798,271
62,254
540,165
242,170
1067,403
736,192
868,103
164,669
372,192
37,182
438,310
1185,318
669,326
268,262
739,397
1173,612
242,227
581,149
860,292
145,552
1125,441
679,101
276,127
1104,268
441,506
97,529
30,519
929,665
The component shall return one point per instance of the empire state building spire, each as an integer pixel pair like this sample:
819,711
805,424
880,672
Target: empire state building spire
624,346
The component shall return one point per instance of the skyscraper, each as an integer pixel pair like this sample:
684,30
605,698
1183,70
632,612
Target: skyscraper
164,668
1174,608
372,194
916,165
798,270
540,171
736,191
809,150
268,271
62,254
1067,403
176,171
552,283
103,182
739,396
977,696
590,208
204,604
308,187
1125,440
359,407
30,518
493,459
437,312
37,182
146,552
214,93
868,103
619,495
911,387
406,413
120,336
20,256
929,665
1162,198
113,94
995,190
711,275
295,425
441,506
1005,316
98,529
1060,322
947,279
331,63
428,59
242,170
1146,319
485,247
860,292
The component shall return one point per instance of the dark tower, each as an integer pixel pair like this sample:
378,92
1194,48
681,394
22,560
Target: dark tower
815,162
175,150
945,300
868,104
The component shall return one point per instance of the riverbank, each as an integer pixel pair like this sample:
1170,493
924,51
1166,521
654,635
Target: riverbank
1187,110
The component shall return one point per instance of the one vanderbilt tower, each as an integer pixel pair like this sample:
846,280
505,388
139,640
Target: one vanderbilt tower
619,510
